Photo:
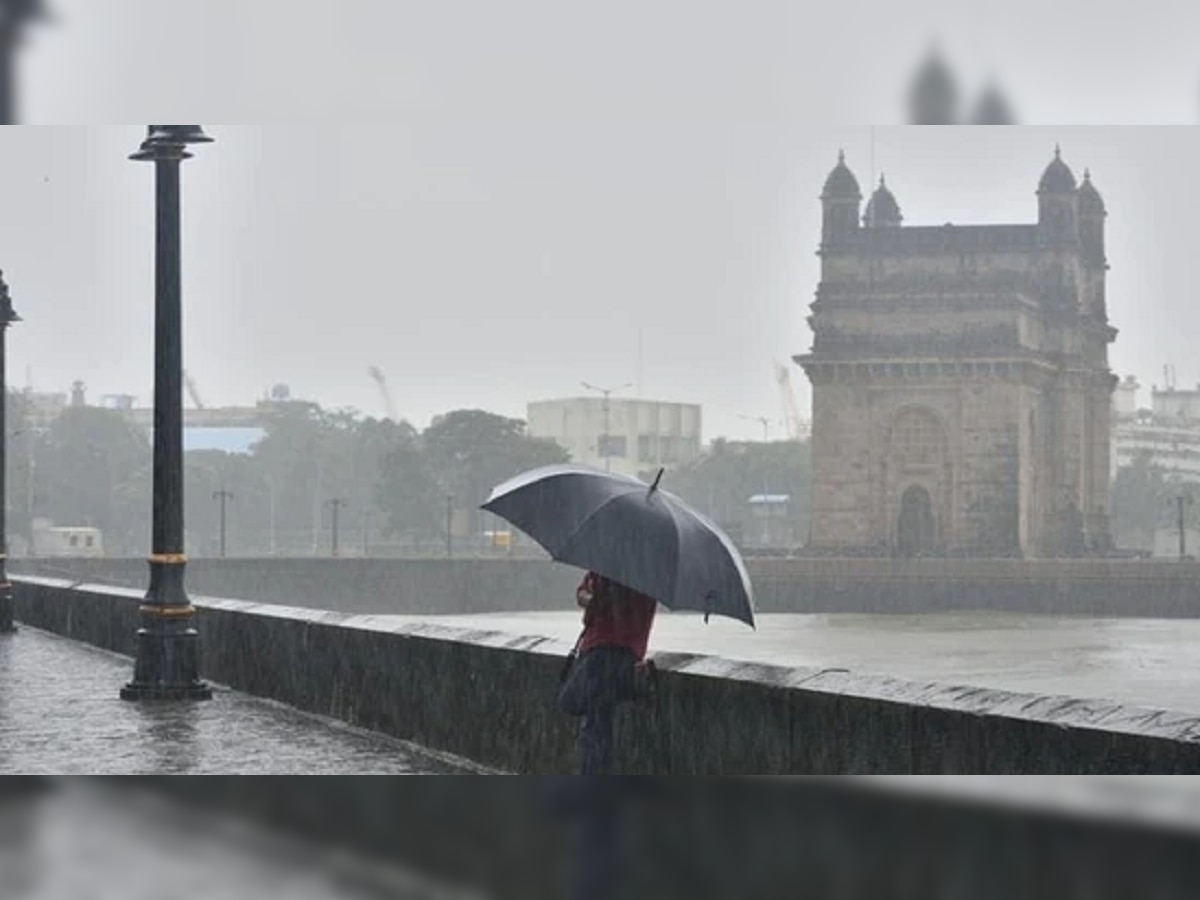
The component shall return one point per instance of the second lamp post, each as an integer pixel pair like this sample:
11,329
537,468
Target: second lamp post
168,645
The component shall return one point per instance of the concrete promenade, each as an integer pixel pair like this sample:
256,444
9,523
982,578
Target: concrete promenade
60,714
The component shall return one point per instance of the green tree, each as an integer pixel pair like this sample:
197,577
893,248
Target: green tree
375,441
468,452
247,513
407,489
722,480
87,463
301,462
1141,503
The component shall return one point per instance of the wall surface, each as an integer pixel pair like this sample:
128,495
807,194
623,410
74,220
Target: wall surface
1145,588
489,697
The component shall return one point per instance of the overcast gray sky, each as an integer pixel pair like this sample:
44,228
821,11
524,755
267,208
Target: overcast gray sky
622,61
486,265
544,179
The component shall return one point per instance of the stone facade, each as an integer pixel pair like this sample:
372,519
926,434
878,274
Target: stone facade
961,389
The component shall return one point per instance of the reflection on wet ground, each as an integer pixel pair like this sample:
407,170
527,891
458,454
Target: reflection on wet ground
83,840
1142,662
60,714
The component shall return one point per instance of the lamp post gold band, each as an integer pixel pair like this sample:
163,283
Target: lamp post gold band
169,559
167,611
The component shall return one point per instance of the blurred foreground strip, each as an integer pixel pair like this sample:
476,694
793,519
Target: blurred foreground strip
92,838
1151,801
664,838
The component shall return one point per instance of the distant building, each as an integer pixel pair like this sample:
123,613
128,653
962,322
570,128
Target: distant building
1167,433
120,402
233,429
1181,407
634,436
230,429
225,440
1125,400
52,540
215,417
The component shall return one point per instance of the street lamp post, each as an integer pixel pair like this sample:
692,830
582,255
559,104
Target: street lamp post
269,479
168,645
1180,502
335,506
31,436
223,496
7,317
766,494
605,449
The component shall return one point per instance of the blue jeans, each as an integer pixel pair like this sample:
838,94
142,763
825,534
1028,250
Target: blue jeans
599,680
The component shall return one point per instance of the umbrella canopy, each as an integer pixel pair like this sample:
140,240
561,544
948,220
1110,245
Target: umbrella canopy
631,532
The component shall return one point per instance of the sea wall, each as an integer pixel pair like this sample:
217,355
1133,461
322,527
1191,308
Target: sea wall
489,697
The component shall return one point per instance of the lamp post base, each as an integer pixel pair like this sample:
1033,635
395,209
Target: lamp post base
168,660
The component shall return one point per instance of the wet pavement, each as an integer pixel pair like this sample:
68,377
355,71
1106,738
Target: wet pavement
60,714
1151,663
81,841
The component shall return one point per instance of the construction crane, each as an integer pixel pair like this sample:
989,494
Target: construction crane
377,375
192,392
797,427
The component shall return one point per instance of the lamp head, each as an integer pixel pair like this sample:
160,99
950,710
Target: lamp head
170,141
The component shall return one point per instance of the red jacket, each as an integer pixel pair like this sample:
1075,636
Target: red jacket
614,616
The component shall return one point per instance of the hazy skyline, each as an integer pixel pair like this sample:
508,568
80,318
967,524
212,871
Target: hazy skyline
488,266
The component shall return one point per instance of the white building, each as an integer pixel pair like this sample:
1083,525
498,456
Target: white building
1166,543
1125,399
51,540
1173,448
1174,405
1168,432
641,434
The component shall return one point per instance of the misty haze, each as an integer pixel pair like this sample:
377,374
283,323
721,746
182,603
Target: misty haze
510,446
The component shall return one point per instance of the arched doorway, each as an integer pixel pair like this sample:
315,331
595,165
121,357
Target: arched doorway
917,479
916,528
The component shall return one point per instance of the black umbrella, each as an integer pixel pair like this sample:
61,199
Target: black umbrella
631,532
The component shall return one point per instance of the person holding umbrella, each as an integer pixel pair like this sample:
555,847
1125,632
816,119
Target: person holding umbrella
608,665
639,545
